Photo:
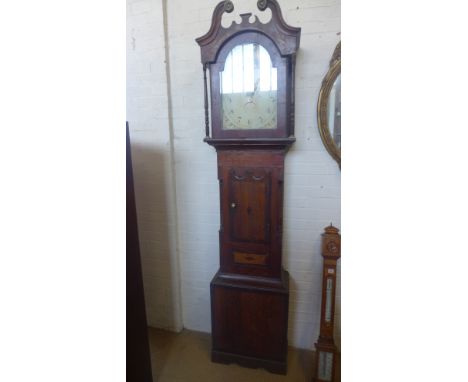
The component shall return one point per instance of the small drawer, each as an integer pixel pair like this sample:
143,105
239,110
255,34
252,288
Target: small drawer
249,258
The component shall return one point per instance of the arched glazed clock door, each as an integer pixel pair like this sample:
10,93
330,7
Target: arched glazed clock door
250,68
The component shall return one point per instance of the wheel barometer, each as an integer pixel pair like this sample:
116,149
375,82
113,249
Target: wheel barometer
325,345
250,95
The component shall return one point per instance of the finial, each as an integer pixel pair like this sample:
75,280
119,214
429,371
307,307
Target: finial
228,6
262,4
331,229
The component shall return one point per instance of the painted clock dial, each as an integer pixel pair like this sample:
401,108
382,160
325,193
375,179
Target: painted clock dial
249,89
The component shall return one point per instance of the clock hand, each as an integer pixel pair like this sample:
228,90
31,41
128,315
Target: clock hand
257,83
252,97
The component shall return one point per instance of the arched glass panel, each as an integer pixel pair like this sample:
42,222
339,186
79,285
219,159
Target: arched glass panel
249,89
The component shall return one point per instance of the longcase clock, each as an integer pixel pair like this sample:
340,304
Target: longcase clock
250,67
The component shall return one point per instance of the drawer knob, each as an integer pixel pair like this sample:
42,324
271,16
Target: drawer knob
233,205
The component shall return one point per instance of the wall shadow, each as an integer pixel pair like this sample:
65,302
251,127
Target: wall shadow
156,219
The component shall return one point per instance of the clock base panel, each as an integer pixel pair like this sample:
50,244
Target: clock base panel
249,322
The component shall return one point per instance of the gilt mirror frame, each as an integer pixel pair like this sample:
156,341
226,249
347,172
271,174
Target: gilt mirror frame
322,106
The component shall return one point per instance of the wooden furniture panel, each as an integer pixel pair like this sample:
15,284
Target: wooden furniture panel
250,324
258,332
138,352
250,201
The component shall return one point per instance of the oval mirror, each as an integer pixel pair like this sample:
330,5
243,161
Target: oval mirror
329,107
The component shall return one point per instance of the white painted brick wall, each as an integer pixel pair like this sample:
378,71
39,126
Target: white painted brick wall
147,114
312,178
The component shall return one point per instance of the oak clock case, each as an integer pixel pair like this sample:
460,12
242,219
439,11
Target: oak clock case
329,107
250,67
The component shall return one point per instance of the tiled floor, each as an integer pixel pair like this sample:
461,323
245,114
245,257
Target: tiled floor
185,357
